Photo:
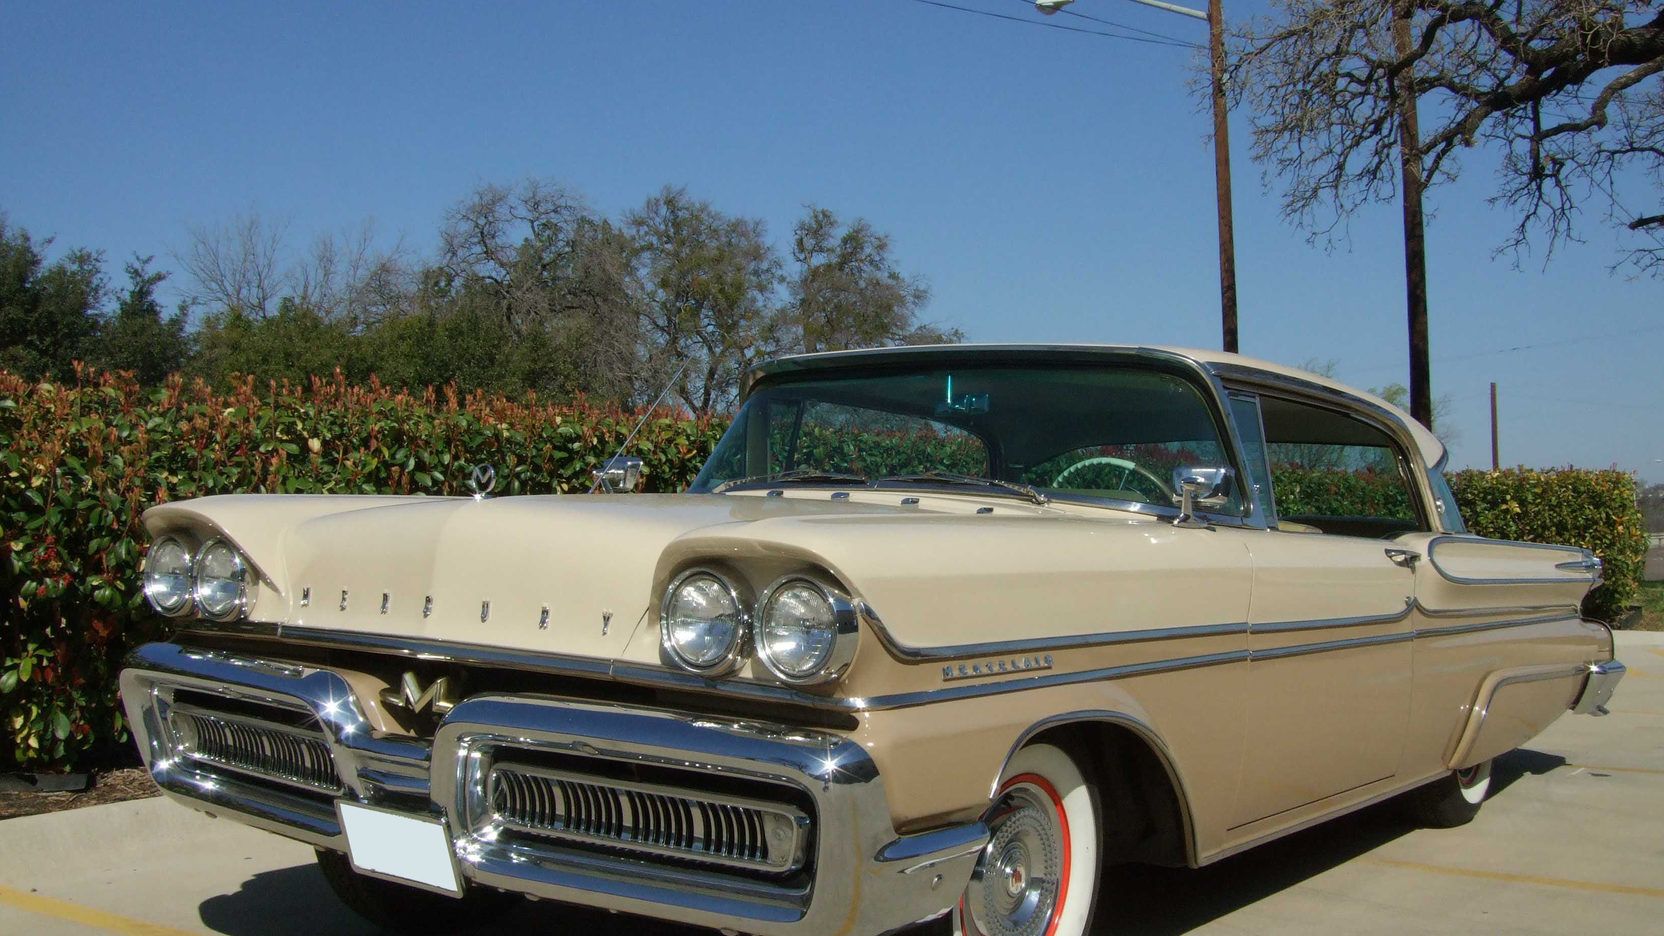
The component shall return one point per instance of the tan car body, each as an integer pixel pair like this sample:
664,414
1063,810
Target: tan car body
1278,677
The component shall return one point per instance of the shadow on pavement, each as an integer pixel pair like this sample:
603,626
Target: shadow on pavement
1135,898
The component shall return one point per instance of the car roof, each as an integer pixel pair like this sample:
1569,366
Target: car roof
1220,363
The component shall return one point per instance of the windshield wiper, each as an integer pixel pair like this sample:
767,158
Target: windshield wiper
796,476
948,477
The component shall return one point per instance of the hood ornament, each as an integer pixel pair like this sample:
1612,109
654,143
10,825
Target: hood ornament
481,480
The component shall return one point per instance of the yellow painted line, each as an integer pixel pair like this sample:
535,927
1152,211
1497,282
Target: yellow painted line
86,916
1646,770
1596,887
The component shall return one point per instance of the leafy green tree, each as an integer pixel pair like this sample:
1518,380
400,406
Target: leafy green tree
846,292
137,338
709,282
295,342
48,312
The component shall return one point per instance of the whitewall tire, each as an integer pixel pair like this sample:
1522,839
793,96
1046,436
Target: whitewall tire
1039,874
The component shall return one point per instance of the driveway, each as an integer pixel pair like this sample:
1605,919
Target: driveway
1570,842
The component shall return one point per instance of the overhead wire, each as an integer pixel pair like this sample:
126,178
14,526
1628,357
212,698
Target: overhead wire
1099,19
1151,40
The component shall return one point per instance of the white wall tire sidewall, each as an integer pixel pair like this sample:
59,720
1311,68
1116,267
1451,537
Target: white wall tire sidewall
1474,793
1060,771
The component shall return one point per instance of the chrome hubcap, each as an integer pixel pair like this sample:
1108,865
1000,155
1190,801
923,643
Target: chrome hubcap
1014,889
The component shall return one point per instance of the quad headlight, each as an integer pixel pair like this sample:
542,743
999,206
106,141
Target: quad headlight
805,632
220,581
167,576
703,623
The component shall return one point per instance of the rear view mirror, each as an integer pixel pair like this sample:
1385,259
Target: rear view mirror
619,475
1200,487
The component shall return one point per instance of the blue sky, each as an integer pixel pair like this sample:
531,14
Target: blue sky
1048,186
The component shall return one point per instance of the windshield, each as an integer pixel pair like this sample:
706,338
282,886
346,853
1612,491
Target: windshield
1113,432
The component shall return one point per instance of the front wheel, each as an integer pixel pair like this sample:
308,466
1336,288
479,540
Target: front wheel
1454,799
398,908
1038,876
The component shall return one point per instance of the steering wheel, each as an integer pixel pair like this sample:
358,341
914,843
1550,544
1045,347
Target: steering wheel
1128,471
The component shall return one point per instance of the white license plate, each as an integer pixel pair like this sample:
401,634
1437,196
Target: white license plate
405,848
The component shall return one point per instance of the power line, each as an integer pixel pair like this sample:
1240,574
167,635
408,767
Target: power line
1164,41
1099,19
1525,347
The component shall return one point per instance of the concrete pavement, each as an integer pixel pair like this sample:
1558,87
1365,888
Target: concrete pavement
1571,840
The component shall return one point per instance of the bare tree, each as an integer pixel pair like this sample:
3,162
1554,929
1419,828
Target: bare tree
514,243
237,265
1566,91
348,276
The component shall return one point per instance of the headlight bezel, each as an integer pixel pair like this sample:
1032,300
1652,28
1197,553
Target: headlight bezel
738,649
189,604
846,630
239,607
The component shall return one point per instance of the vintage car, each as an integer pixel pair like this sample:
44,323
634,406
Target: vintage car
935,631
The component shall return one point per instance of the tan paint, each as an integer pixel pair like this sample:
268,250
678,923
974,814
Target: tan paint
1260,747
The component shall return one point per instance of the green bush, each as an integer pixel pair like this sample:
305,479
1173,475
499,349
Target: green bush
1592,509
1337,491
79,463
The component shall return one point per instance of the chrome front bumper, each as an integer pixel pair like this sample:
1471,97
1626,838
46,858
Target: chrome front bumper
860,876
1598,688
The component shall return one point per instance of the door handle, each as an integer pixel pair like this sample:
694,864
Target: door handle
1404,557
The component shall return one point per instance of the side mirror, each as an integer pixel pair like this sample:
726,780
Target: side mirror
619,475
1200,487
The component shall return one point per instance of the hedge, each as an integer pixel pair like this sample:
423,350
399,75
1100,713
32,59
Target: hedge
1596,510
79,463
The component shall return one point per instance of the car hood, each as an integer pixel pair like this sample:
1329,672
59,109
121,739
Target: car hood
560,574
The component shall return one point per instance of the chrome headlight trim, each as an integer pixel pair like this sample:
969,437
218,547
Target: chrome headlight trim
189,604
239,607
846,633
736,653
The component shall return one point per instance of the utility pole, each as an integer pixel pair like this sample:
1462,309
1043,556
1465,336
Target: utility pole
1495,460
1215,17
1222,175
1415,244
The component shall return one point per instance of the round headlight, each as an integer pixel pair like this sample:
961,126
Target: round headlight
804,633
167,576
702,623
221,588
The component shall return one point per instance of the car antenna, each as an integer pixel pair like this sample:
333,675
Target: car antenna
601,473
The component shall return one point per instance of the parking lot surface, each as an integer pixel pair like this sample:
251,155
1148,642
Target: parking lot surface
1572,840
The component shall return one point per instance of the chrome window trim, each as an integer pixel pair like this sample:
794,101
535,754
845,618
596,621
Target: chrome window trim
737,651
1206,379
1584,556
1307,392
846,616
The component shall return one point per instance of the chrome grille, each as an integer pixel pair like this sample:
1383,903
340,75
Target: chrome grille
642,817
270,751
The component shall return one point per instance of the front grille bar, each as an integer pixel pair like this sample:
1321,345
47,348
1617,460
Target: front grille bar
267,750
650,818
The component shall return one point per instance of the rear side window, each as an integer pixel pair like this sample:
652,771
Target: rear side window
1334,473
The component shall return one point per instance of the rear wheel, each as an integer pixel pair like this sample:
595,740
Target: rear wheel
1038,876
1454,799
400,908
